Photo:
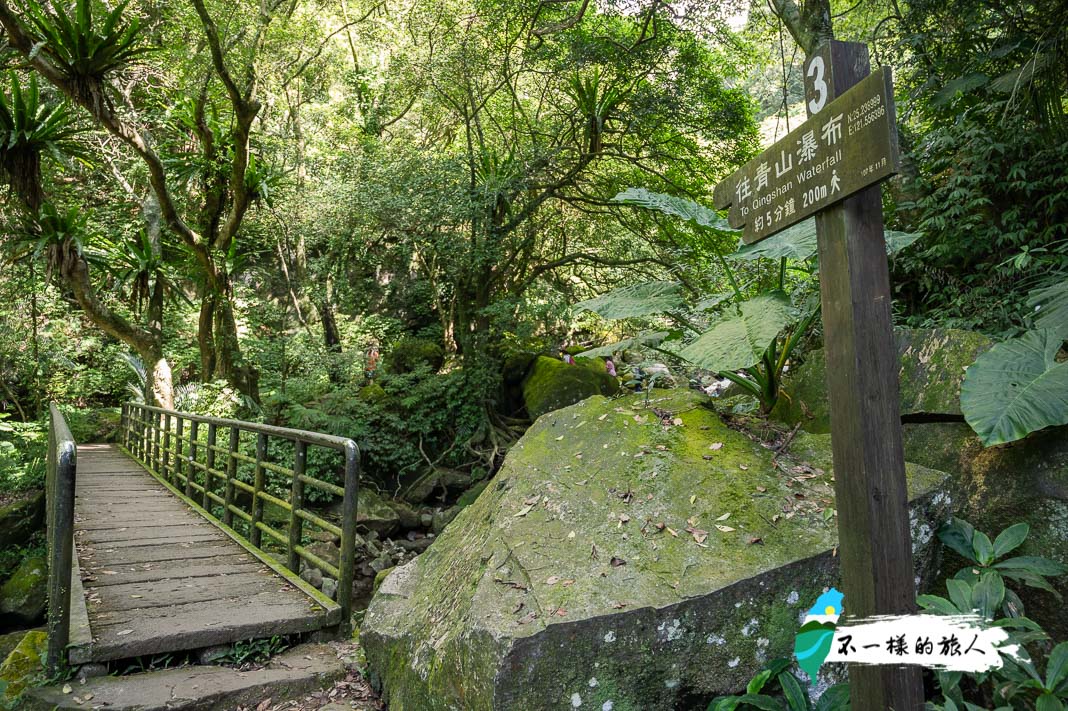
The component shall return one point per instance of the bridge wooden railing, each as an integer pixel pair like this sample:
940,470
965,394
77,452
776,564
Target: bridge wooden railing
59,502
183,450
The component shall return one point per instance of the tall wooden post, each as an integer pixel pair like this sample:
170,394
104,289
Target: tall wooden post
862,383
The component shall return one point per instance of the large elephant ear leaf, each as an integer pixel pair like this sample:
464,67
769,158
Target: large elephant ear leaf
675,206
1050,307
647,339
1015,388
740,338
798,242
646,299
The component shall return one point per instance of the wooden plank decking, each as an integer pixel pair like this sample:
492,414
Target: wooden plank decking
159,577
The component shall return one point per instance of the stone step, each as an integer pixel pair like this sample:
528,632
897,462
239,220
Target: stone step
299,671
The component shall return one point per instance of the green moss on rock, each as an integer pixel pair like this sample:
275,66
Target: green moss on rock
1022,482
592,565
22,597
372,393
551,384
411,353
20,519
25,663
374,513
932,368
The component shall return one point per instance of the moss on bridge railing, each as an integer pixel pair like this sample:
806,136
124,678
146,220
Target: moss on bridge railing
183,450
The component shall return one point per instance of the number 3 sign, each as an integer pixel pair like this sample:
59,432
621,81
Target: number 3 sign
817,85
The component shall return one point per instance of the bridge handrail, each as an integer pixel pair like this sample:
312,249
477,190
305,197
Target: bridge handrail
59,500
177,459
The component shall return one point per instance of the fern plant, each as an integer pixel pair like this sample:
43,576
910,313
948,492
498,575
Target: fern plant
31,127
57,235
140,266
85,49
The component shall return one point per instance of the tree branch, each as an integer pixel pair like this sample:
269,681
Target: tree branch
101,111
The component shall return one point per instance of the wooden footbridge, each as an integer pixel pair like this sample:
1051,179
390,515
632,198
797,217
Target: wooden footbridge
171,541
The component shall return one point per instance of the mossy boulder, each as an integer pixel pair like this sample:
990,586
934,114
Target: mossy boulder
372,393
551,384
411,353
20,519
1022,482
23,664
932,368
22,597
374,513
622,558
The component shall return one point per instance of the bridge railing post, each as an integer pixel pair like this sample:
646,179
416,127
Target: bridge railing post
296,503
209,464
231,474
157,427
255,534
167,462
347,562
59,501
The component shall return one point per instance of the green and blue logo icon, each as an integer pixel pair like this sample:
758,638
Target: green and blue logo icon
814,639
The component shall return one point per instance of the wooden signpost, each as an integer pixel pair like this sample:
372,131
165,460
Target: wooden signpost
837,158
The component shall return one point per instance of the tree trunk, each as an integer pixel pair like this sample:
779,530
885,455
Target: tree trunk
229,363
205,337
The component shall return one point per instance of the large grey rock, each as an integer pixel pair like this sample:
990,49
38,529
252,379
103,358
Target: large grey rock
932,368
22,518
1024,481
591,570
23,596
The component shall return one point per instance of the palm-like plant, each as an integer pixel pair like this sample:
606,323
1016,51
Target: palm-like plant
139,265
596,100
84,49
29,128
57,235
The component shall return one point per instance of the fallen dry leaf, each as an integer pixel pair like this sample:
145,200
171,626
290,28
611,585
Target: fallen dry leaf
693,499
617,562
552,580
698,534
677,422
122,633
762,489
724,517
743,466
716,445
525,510
723,529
